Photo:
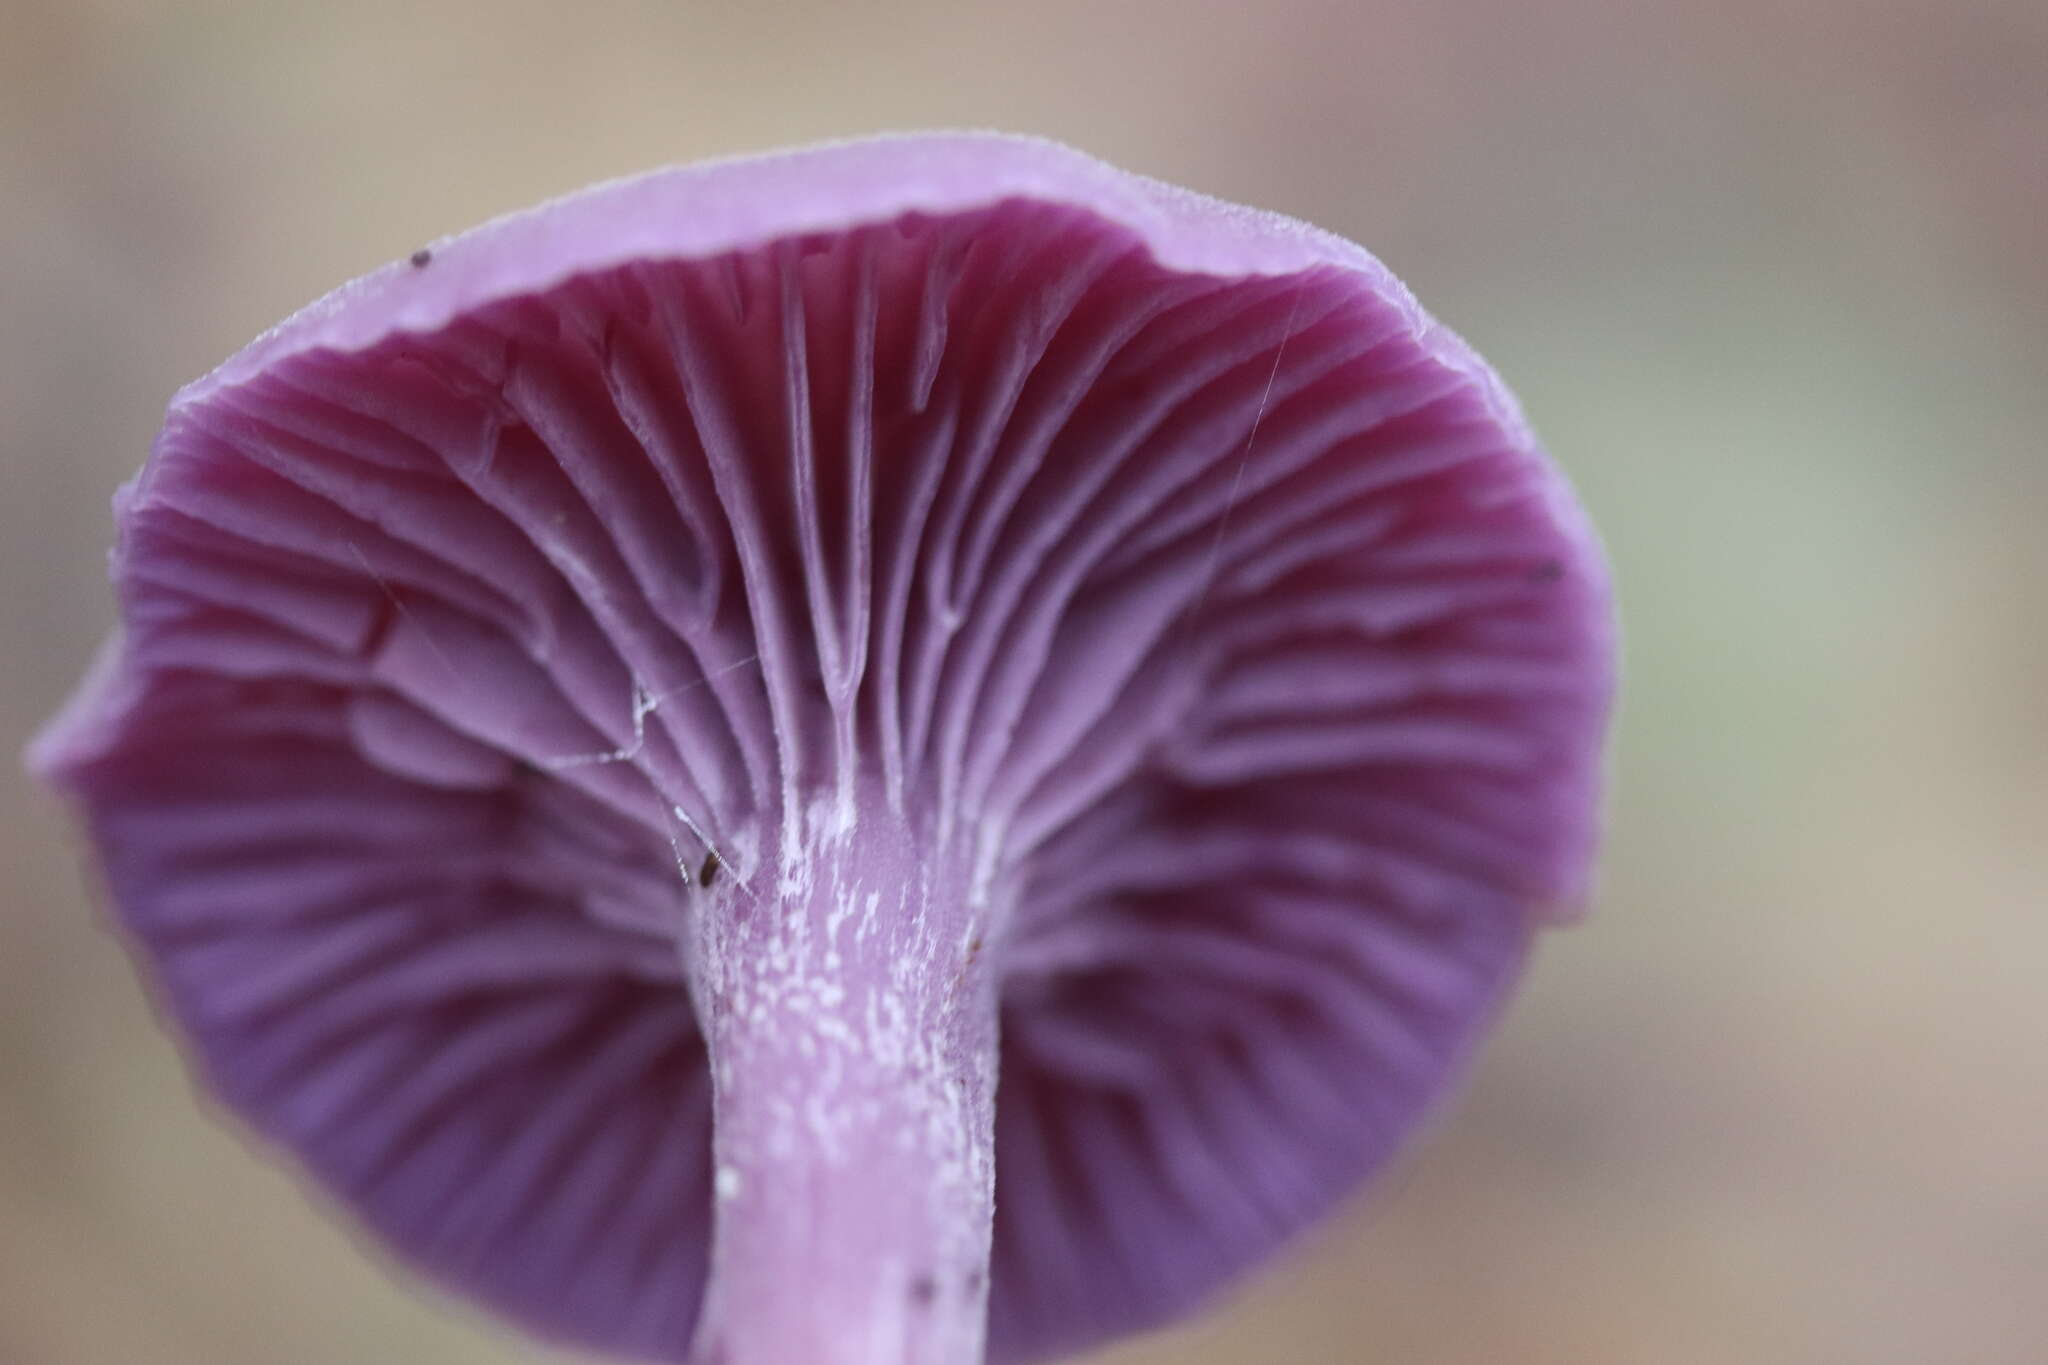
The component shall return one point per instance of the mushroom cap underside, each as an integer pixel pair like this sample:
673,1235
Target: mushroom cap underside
1158,561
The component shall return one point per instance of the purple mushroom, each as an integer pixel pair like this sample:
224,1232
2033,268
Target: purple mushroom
909,749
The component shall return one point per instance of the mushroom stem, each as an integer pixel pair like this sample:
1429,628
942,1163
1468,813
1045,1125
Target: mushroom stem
851,1029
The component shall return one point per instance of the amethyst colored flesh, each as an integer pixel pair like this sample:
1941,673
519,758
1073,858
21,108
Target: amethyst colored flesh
682,748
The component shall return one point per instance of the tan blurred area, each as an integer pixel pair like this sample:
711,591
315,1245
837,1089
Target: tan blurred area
1770,279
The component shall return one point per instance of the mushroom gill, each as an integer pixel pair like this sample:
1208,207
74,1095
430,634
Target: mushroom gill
809,758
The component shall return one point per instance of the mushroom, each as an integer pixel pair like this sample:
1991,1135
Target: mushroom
635,727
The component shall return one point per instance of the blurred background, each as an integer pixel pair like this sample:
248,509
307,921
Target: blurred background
1769,277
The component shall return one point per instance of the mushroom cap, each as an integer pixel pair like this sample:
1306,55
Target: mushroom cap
1162,552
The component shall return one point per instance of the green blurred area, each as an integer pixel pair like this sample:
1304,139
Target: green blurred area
1770,280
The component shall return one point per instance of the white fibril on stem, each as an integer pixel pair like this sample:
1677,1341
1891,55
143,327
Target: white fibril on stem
850,1022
